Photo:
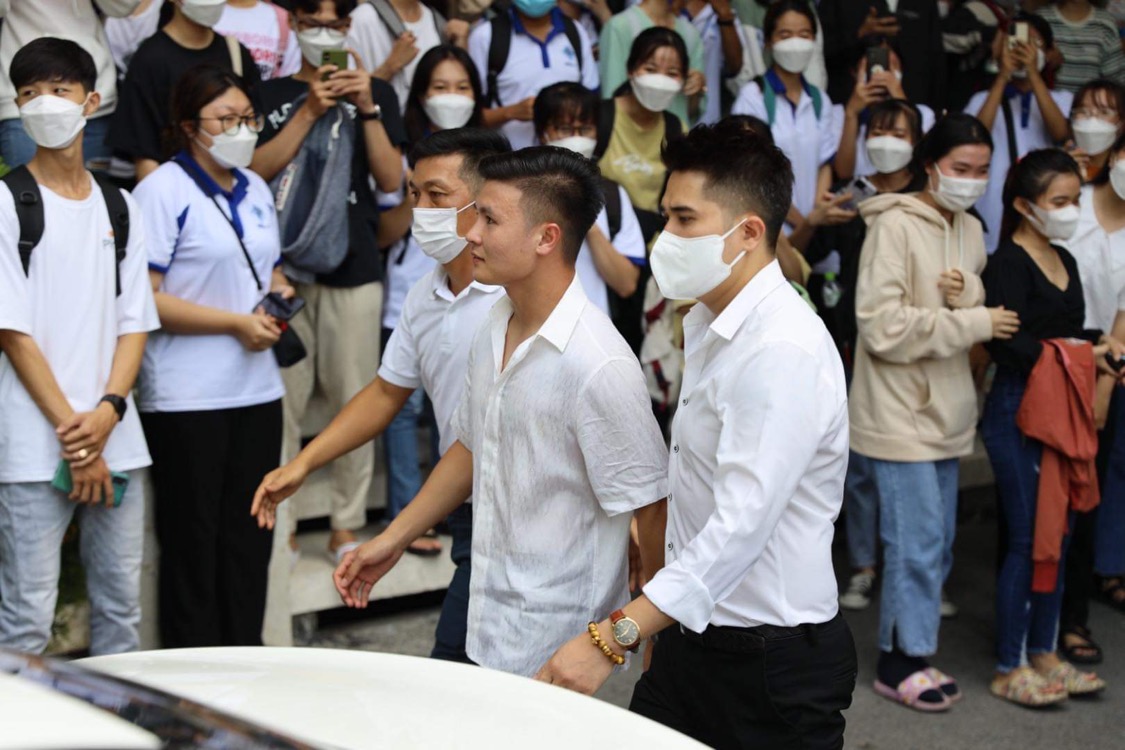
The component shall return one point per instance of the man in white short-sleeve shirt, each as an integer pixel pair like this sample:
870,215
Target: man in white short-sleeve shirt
752,651
73,323
556,440
429,349
540,53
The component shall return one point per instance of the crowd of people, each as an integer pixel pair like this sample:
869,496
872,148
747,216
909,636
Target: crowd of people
606,250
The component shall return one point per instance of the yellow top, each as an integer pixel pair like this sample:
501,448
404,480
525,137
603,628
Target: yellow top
632,160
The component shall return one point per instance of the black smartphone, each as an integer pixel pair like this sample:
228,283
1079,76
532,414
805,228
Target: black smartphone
337,57
878,61
1116,364
279,307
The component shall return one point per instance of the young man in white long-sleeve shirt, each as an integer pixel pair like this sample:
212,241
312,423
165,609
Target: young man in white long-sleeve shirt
752,649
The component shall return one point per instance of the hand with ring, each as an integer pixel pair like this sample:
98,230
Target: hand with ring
83,435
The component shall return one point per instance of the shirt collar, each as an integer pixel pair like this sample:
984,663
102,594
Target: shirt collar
728,322
778,86
440,286
209,187
556,26
560,324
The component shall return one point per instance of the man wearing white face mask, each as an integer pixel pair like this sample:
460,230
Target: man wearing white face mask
752,650
429,348
1020,109
187,40
72,348
336,262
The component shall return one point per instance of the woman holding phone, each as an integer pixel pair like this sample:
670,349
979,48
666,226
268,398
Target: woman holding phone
210,391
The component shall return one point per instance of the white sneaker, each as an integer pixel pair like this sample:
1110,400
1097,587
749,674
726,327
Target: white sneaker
948,608
858,595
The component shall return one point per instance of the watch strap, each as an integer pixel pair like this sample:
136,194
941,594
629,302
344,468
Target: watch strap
117,402
376,115
615,617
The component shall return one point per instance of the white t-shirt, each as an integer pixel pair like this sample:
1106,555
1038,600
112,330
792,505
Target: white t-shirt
1101,265
259,29
67,303
1031,133
126,34
564,447
371,38
430,346
532,66
194,246
629,242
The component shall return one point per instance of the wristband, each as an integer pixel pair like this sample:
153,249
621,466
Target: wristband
728,22
376,115
610,654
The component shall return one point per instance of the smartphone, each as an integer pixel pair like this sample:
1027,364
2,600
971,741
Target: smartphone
1116,364
337,57
64,482
1020,34
279,307
878,61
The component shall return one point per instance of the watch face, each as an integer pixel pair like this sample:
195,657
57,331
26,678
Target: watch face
626,632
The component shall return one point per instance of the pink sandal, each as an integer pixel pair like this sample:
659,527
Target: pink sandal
910,689
944,682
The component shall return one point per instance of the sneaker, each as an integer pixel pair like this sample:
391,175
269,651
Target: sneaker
858,595
948,608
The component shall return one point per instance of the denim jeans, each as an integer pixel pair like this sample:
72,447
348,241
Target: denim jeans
1109,533
1023,619
34,517
400,441
17,148
861,512
917,522
449,639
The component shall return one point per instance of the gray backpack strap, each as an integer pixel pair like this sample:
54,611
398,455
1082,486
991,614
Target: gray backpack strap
389,16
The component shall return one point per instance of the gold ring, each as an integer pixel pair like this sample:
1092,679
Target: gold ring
82,454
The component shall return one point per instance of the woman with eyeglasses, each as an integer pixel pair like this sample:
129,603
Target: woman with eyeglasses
210,392
1097,119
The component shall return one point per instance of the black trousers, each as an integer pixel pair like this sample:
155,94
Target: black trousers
214,559
761,688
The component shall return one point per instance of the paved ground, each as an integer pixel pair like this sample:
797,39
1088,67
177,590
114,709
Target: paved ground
980,721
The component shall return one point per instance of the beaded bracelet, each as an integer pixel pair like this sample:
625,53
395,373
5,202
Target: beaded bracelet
610,654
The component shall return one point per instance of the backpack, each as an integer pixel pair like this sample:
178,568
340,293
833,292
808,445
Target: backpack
612,206
501,44
770,97
29,214
394,23
608,114
283,32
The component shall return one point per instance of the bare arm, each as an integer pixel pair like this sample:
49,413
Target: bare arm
620,273
394,223
651,521
383,157
33,371
180,316
145,167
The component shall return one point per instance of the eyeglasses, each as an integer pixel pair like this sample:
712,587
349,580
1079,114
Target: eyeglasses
569,131
231,123
308,24
1105,113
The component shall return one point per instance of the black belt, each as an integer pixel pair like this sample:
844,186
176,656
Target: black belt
748,640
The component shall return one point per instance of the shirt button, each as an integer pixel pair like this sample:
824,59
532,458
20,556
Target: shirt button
669,545
675,449
684,402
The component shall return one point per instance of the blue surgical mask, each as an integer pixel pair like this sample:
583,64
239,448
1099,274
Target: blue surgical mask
534,8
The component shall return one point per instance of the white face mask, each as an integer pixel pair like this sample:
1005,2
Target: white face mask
1040,63
1117,178
313,43
448,111
53,122
203,12
689,267
1094,135
793,54
1057,224
655,91
888,154
233,151
579,144
957,193
435,230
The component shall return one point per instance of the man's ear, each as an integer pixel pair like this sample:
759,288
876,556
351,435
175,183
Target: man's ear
92,104
550,240
752,234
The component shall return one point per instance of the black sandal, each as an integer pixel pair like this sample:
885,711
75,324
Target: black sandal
428,551
1087,652
1111,590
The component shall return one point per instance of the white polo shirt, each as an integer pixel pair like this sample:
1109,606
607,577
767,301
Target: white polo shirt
564,447
759,453
1031,134
629,242
532,66
430,346
1101,265
67,303
194,246
371,38
807,141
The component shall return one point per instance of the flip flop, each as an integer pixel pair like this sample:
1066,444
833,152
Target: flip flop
911,689
946,684
429,551
1074,652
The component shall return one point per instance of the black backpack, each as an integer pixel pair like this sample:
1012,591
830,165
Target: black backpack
608,114
29,213
501,44
612,206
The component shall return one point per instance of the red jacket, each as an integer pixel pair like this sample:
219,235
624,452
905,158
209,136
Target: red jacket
1058,411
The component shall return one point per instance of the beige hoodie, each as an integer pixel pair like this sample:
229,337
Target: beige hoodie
912,396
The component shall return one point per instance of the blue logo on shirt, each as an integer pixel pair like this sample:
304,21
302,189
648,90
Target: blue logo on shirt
260,215
568,52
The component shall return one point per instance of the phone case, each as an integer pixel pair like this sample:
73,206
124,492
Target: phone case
63,482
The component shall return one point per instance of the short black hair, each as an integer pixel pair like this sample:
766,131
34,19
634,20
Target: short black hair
561,99
1111,92
196,88
779,9
472,144
649,41
952,130
742,171
344,8
557,185
49,58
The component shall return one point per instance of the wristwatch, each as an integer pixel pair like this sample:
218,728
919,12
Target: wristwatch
626,632
376,115
117,402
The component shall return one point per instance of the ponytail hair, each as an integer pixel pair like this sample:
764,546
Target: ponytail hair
1029,178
